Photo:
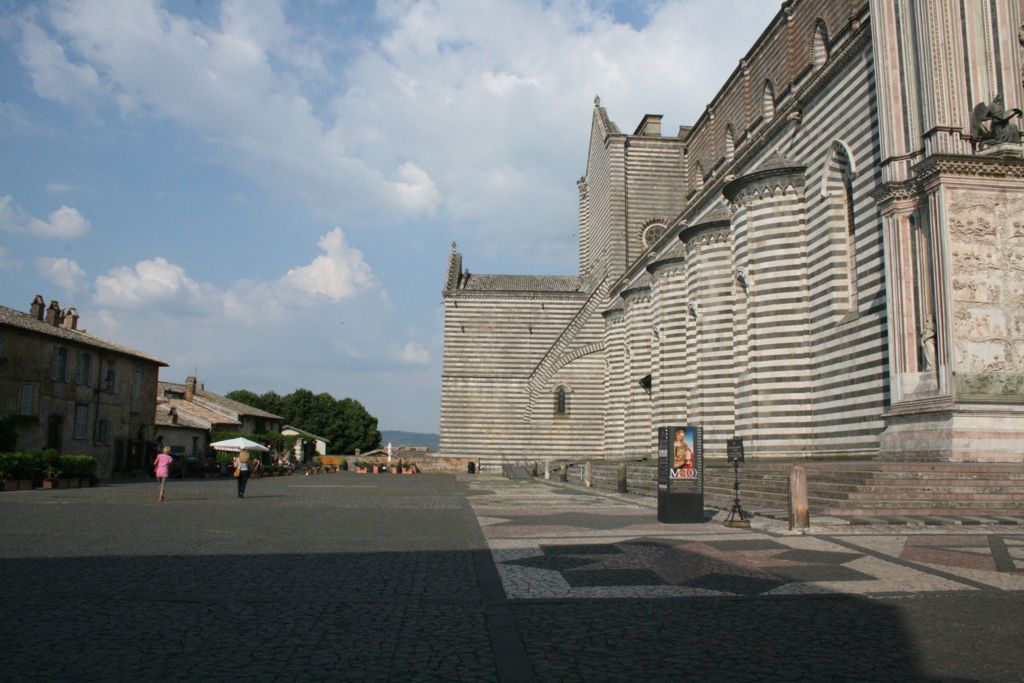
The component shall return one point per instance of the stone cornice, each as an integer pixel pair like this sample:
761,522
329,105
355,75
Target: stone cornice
665,263
936,167
633,293
704,235
754,184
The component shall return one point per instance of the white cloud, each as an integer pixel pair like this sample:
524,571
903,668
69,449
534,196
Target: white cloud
63,272
58,188
415,190
153,283
6,262
452,94
53,75
63,223
414,353
337,274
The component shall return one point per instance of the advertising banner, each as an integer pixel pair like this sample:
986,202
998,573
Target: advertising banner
681,474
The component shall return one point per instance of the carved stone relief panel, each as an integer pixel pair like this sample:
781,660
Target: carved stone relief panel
986,234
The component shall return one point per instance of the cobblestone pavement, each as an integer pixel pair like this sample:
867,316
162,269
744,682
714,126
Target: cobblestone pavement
433,577
704,601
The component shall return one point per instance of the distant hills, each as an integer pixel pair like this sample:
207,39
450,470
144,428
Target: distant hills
398,438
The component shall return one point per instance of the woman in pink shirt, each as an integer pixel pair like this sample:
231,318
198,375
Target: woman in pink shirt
163,465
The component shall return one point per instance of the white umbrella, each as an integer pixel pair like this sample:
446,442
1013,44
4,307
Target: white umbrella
237,444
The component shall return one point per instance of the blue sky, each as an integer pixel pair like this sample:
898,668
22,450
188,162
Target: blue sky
265,192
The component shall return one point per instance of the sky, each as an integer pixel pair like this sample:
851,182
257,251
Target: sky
264,193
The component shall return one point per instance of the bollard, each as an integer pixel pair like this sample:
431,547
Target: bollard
799,511
563,472
588,480
622,478
547,469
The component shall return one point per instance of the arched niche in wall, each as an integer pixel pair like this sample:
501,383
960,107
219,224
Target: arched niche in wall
768,101
837,179
819,44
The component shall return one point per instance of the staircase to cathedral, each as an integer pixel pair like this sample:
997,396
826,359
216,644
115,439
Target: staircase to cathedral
864,488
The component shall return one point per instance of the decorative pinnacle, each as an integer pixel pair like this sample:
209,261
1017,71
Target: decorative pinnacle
454,246
597,100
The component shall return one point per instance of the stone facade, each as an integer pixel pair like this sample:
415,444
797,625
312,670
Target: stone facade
77,393
828,262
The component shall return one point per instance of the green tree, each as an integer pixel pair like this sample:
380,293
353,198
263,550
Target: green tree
345,423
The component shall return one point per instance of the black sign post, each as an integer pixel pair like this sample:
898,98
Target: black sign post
734,452
681,474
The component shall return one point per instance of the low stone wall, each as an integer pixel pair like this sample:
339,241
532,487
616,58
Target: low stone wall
425,462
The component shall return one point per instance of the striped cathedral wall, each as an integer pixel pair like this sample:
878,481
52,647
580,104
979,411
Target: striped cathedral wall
784,361
637,364
492,343
773,322
614,399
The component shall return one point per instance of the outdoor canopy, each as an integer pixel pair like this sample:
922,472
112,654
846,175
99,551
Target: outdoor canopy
237,444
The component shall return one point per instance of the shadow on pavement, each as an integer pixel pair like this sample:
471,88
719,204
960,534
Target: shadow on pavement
417,616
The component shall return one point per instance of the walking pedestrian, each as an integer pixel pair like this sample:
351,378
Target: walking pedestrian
163,469
242,471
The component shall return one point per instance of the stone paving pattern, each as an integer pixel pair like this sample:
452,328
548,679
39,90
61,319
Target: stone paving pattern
436,577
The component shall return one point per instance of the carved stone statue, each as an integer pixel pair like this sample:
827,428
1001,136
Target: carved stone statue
991,124
928,347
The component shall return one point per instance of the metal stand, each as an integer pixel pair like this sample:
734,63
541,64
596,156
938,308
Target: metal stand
737,510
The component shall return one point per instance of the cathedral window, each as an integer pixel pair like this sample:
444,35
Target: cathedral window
561,402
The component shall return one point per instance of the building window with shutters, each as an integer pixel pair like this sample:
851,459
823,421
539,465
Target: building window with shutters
109,378
136,391
101,432
83,368
81,420
59,366
26,400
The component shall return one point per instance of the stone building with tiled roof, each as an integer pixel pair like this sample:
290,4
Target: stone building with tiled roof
75,392
826,263
192,401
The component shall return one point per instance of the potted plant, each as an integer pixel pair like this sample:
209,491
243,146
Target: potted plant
361,467
50,477
409,468
6,483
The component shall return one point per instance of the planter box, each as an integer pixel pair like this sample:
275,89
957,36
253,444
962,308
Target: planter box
50,483
69,483
11,485
361,470
25,485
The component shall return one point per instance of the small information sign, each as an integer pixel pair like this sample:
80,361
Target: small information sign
734,449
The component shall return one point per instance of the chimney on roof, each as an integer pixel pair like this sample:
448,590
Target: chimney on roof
190,388
38,307
70,319
54,315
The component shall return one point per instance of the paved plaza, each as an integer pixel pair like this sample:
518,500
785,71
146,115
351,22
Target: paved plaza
437,577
